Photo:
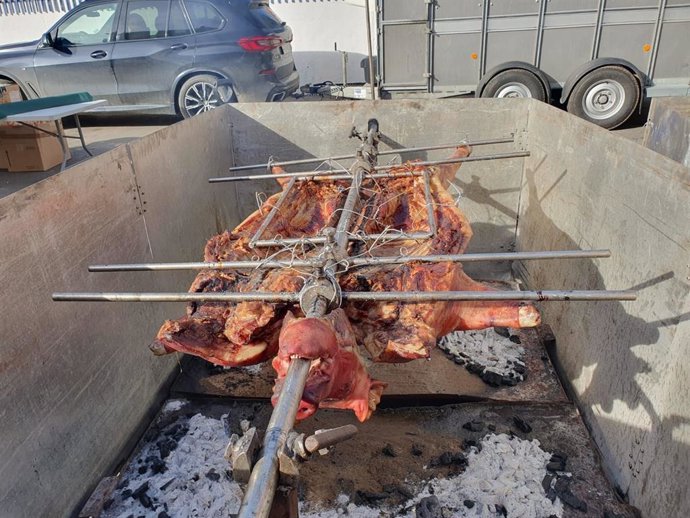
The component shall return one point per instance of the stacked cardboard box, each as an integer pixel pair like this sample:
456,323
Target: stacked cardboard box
25,148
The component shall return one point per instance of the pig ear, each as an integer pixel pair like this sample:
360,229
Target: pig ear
289,317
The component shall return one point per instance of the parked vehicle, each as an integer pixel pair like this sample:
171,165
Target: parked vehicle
604,56
173,56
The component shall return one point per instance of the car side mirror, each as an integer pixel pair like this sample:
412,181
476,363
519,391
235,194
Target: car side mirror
47,40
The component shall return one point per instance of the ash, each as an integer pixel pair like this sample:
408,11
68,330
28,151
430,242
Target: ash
180,474
494,354
503,478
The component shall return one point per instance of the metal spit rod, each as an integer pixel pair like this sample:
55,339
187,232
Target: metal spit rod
274,210
357,261
364,296
302,175
504,140
258,497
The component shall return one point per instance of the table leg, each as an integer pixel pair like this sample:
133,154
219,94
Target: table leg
63,143
81,134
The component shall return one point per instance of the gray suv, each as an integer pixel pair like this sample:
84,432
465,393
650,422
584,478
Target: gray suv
167,56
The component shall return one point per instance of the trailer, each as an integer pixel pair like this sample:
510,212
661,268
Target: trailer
600,58
81,388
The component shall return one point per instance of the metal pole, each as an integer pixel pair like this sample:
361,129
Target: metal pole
439,296
369,296
310,174
372,72
358,261
225,296
263,481
485,142
431,214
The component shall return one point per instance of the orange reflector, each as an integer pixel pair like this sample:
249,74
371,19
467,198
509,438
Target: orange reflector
474,55
646,47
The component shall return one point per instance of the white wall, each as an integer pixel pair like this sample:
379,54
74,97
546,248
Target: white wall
25,27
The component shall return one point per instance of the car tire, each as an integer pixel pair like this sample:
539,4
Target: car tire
606,96
201,93
515,82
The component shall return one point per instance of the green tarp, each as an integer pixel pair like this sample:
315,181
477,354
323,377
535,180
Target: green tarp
44,102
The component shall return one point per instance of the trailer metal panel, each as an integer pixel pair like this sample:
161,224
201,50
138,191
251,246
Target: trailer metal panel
558,59
407,66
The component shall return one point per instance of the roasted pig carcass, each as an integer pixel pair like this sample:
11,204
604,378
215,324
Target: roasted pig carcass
248,332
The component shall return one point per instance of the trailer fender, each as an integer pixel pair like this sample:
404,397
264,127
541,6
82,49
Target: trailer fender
510,65
588,67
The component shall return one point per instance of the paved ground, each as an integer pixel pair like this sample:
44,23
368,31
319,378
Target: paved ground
104,133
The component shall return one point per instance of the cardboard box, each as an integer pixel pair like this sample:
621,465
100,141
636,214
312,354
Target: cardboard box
29,149
10,94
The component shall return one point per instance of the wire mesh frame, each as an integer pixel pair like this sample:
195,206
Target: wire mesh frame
387,237
24,7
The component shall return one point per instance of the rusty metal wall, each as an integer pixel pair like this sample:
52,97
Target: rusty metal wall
625,362
77,380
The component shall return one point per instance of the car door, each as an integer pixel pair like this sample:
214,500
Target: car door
154,46
79,57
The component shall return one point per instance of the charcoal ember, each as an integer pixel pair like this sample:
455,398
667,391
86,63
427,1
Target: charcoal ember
163,514
212,475
491,427
141,490
521,424
166,446
519,368
474,426
449,459
395,490
126,493
167,484
468,503
475,368
158,466
502,331
143,469
509,380
515,339
388,451
145,500
547,482
417,450
195,477
491,378
428,507
562,490
501,510
369,497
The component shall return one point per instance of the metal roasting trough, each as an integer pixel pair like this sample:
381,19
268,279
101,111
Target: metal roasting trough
322,293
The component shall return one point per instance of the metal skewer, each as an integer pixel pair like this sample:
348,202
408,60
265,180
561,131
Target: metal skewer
366,296
357,261
484,142
307,175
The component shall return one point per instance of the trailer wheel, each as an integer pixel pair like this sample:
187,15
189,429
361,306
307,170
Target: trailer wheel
606,96
515,82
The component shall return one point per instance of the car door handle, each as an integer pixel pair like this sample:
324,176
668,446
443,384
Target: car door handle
99,54
178,46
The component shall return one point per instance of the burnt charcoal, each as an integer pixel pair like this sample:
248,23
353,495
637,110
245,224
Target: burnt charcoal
520,369
611,514
212,475
163,514
492,378
195,477
165,486
449,459
227,427
123,484
388,451
571,500
363,283
215,369
515,339
181,432
146,501
428,507
173,430
474,426
501,510
126,493
521,424
546,481
368,497
503,331
491,427
468,503
509,381
475,368
166,446
417,450
392,489
141,490
470,443
158,466
142,469
558,465
559,456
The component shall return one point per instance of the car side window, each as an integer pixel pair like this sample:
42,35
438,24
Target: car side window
177,23
204,16
146,19
89,26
